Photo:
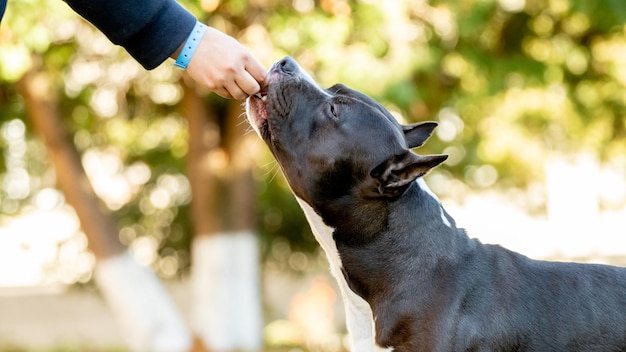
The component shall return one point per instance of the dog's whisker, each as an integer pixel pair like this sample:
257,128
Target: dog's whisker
276,171
248,130
269,164
242,118
270,167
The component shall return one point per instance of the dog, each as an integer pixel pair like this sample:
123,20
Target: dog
410,279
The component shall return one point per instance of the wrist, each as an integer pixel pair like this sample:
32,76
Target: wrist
185,52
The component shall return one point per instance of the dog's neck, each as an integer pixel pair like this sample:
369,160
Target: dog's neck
419,238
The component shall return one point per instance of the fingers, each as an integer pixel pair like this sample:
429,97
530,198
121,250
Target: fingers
224,66
256,71
247,83
248,79
222,92
236,92
242,87
239,89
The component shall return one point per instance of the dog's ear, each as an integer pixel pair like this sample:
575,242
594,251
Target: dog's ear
417,133
394,175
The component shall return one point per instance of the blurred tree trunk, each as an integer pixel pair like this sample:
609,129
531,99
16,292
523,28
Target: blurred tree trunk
141,305
226,302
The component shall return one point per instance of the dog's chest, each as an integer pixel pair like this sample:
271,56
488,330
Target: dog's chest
359,318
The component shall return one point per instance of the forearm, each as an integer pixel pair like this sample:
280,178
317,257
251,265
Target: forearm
151,31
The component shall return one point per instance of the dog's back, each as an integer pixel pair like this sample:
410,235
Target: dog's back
507,302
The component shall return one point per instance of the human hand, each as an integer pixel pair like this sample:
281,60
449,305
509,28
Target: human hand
224,66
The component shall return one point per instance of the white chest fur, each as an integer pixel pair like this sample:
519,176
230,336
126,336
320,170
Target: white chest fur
359,319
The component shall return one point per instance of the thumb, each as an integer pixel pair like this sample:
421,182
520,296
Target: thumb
257,71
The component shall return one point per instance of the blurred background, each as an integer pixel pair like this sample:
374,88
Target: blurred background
121,189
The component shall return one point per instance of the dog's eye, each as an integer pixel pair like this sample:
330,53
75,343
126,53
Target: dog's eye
333,110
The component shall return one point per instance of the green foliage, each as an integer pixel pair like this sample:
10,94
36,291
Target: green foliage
509,84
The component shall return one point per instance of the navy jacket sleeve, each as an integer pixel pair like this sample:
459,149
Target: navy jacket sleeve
150,30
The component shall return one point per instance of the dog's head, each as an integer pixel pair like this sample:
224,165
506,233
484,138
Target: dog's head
336,146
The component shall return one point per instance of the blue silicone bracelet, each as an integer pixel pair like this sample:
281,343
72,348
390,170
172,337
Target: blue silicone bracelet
190,45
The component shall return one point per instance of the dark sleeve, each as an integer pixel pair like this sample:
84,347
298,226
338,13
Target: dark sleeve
150,30
3,5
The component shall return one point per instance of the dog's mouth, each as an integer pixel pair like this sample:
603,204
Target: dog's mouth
256,108
272,104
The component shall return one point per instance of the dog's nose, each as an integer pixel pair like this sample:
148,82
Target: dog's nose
287,65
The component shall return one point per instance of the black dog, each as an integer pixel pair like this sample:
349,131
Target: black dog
429,286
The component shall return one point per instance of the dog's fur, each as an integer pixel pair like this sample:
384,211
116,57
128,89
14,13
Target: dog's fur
411,280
